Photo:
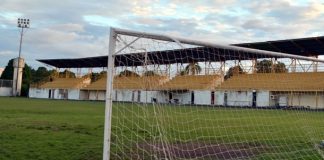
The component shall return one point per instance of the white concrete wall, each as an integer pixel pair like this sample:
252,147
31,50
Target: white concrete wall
162,97
93,95
219,98
74,94
203,97
262,98
5,91
320,102
101,95
184,98
147,96
126,95
282,100
97,95
38,93
84,95
242,98
307,100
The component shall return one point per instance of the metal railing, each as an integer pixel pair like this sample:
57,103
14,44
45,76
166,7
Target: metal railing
5,83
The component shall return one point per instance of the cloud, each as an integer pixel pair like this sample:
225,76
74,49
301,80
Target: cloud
78,29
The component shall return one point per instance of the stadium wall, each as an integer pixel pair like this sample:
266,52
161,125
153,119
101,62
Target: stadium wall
242,98
5,91
203,97
304,100
72,94
38,93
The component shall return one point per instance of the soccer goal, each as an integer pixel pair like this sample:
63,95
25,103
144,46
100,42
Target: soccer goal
178,98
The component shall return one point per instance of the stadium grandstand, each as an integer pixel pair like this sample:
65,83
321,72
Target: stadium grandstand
299,86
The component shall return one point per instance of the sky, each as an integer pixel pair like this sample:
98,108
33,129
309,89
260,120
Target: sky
80,28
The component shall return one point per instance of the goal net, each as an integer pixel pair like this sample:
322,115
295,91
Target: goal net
174,98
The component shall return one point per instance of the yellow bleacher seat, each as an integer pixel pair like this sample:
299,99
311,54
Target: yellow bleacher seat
129,82
192,82
66,83
308,81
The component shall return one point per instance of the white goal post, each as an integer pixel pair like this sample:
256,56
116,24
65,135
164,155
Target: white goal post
182,43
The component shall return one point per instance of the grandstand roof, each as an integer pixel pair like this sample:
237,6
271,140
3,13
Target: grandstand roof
311,46
304,47
200,54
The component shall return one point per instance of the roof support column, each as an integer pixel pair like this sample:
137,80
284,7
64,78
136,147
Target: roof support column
273,65
316,94
222,70
254,65
293,65
315,65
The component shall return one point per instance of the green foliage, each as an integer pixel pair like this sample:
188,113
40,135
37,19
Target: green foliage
150,73
26,81
67,74
191,69
234,71
280,68
41,74
95,76
31,76
182,73
265,66
128,73
8,71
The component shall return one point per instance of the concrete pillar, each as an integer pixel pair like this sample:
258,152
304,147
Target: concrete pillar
293,65
254,65
18,65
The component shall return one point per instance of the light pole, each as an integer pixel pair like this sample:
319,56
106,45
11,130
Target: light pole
22,23
19,62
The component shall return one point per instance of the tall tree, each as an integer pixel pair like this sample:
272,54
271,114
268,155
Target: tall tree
234,71
26,77
193,68
26,81
150,73
67,74
280,68
265,66
41,74
8,71
128,73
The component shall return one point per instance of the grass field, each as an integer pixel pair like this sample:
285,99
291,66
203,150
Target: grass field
52,129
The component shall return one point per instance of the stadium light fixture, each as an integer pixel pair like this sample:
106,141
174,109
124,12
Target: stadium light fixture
21,23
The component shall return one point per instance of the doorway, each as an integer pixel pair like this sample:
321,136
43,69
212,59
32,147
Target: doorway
212,97
192,97
50,94
254,97
225,99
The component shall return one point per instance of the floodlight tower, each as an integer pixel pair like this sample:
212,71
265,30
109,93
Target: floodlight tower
19,62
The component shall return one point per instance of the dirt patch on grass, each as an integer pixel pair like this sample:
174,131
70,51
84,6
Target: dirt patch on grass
198,150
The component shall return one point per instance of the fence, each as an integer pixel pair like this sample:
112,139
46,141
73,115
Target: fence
5,83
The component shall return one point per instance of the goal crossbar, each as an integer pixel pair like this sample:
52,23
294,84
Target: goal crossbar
209,44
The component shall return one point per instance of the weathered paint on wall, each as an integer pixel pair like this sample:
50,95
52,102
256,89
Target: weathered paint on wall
5,91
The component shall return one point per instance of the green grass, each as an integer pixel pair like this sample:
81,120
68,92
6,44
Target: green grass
52,129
